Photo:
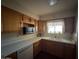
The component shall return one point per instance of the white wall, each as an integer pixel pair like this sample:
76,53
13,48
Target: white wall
18,7
61,14
58,15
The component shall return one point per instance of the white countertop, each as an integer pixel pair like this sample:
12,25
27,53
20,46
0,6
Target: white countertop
8,48
59,40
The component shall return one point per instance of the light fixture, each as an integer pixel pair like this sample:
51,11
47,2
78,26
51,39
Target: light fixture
52,2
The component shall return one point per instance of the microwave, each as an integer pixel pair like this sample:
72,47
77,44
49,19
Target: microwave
28,30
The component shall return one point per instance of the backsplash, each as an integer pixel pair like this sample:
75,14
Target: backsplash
75,36
5,36
10,38
59,36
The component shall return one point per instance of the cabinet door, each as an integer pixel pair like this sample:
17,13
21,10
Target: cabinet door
32,21
25,19
28,20
11,20
53,48
43,45
40,26
69,51
36,48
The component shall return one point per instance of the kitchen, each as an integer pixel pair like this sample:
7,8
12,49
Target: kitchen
45,29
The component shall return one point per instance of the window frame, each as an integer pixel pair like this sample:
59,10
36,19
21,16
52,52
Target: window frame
57,20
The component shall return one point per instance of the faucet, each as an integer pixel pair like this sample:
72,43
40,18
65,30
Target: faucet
55,36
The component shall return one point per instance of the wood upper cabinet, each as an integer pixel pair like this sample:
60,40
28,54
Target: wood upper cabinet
10,20
32,21
25,19
36,25
28,20
41,26
36,48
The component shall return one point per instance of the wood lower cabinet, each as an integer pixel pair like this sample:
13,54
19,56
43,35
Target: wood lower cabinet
69,51
36,48
65,51
61,50
53,48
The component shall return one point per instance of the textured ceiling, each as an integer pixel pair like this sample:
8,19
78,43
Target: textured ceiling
40,7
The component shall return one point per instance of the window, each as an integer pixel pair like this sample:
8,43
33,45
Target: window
55,26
